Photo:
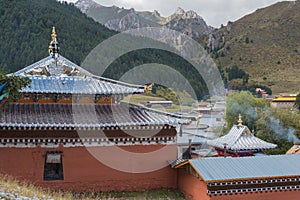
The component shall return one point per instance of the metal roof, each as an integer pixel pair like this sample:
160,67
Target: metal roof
83,115
223,169
240,138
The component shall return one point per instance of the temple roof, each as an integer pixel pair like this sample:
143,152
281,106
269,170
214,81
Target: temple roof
240,138
83,115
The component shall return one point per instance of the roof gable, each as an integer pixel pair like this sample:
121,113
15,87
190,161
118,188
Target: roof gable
50,66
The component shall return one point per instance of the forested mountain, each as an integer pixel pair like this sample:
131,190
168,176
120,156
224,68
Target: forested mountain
25,35
26,25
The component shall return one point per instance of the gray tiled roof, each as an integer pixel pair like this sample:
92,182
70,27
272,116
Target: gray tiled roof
83,115
220,168
240,138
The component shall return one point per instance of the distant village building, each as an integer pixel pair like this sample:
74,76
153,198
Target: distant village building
295,149
284,101
261,92
156,104
48,134
258,177
193,146
240,141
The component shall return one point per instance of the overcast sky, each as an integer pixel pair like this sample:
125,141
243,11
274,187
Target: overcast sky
214,12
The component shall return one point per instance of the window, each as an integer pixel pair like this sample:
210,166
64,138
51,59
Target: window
53,169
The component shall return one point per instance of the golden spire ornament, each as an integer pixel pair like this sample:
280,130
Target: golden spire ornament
53,46
240,121
53,35
148,88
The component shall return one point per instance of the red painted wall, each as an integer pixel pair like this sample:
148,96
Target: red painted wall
82,172
193,188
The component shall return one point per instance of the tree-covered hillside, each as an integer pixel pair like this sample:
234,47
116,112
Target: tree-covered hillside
26,27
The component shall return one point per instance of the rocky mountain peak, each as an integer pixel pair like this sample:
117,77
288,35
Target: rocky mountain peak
85,5
156,13
179,11
120,19
191,15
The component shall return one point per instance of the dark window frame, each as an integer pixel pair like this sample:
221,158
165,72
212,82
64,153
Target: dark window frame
53,171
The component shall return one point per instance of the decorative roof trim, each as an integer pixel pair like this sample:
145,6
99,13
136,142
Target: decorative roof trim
250,179
253,190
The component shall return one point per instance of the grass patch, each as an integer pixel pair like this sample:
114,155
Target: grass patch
161,194
17,188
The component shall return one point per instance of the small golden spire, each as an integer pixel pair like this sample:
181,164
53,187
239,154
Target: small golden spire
240,121
198,120
53,35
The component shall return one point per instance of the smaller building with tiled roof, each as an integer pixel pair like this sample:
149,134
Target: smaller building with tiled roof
240,141
263,177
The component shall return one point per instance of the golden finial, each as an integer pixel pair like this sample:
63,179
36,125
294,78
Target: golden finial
240,121
53,35
53,46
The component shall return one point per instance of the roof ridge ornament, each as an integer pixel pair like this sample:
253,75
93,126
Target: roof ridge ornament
240,121
148,88
53,46
53,34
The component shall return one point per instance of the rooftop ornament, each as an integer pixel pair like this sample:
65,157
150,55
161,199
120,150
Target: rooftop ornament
240,121
53,46
148,88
